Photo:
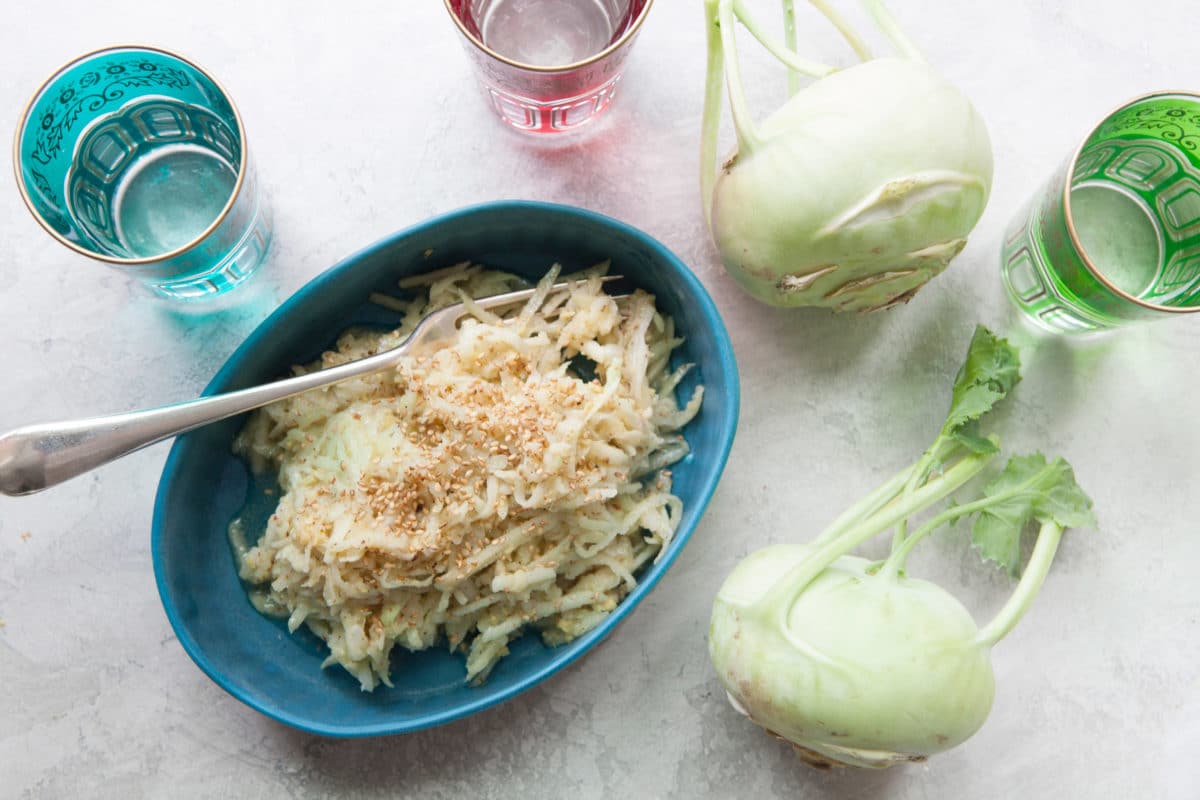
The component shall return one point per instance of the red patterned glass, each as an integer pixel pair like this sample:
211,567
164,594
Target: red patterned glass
513,44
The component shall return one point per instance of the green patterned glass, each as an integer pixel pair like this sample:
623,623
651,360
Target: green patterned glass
1114,237
136,157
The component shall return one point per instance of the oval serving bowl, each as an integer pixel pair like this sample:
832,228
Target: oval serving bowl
204,485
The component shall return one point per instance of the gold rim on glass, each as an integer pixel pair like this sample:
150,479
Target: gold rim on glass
128,262
633,28
1069,215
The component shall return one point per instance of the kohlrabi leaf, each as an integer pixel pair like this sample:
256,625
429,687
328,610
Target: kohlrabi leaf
968,436
1028,489
991,370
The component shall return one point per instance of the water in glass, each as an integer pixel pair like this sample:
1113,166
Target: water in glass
1118,234
550,33
169,196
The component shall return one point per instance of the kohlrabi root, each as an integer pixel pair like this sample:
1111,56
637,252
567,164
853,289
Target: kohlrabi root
857,663
859,189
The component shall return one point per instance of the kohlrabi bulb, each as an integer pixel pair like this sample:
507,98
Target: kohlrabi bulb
853,668
861,188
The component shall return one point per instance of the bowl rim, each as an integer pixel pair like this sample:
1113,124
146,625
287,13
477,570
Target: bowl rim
728,424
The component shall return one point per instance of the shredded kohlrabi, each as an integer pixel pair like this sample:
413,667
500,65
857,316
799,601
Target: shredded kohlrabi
859,189
853,661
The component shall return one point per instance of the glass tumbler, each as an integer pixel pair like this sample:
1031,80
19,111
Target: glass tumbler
549,66
137,157
1114,237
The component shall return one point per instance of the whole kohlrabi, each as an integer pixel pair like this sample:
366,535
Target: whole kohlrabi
856,663
859,189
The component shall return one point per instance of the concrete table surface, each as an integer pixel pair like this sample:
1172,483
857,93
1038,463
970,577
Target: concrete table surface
364,118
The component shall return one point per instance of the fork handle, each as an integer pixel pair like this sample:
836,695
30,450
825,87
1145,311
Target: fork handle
37,457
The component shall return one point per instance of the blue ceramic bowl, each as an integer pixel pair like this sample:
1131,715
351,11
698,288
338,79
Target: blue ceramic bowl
204,485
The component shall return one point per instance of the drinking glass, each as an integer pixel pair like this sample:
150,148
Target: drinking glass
549,66
1114,237
137,157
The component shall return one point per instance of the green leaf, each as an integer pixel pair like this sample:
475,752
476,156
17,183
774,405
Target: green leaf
997,535
968,436
991,370
1028,489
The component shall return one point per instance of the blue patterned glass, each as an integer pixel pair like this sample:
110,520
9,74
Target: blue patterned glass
136,157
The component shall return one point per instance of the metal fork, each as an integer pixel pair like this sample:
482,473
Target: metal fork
37,457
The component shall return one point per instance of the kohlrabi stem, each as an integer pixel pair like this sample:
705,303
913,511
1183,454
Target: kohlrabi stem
900,554
1031,581
943,447
776,48
714,91
794,581
900,551
789,35
887,23
865,507
747,134
844,28
919,471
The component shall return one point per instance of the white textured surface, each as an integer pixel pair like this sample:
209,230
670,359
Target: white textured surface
363,118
